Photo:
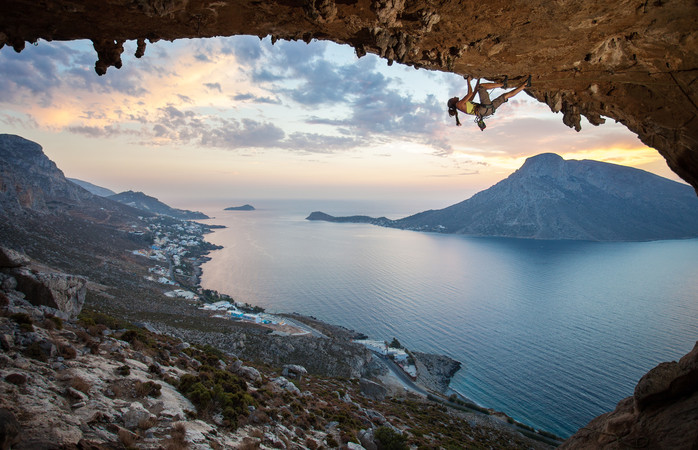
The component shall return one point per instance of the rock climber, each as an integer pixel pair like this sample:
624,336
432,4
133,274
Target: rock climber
486,107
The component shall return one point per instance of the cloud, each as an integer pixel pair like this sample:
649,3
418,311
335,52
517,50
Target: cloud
242,134
247,49
255,99
317,143
95,132
213,86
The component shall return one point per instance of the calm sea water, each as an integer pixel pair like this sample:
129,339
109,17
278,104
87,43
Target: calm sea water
552,333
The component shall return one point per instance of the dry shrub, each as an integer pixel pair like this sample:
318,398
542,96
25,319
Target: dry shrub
4,300
67,351
179,431
249,443
311,444
257,433
81,385
96,330
258,417
149,388
84,336
148,422
177,439
127,438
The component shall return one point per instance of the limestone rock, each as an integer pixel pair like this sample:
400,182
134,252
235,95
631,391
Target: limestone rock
10,258
372,390
56,290
286,385
294,371
250,373
135,415
641,57
9,429
367,439
661,414
435,371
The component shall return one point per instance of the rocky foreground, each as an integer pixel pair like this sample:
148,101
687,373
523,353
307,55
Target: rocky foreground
79,379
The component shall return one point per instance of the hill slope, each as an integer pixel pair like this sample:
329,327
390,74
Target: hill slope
147,203
551,198
92,188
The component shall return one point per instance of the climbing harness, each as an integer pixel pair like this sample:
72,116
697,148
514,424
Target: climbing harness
480,121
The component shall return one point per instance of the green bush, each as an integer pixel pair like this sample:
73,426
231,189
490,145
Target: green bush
390,439
214,390
57,321
24,321
91,318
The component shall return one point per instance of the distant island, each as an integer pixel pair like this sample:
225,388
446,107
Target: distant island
556,199
240,208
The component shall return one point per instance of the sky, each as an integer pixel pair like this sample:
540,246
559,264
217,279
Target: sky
240,118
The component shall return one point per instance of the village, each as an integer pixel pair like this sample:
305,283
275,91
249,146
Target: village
179,247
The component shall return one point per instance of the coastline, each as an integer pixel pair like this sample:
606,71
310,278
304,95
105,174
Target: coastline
442,393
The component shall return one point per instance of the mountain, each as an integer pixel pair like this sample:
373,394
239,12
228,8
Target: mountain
30,180
240,208
30,183
150,204
553,198
92,188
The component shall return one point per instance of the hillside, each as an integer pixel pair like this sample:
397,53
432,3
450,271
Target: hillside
144,202
92,188
551,198
140,369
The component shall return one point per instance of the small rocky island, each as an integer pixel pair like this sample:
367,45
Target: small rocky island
245,207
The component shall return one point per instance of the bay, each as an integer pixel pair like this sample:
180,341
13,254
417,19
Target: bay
553,333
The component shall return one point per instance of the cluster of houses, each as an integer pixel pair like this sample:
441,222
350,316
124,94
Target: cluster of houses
171,244
399,355
231,311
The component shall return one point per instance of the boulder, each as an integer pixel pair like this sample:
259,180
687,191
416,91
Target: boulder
9,429
10,258
250,373
286,385
294,371
661,414
372,390
367,439
135,415
63,292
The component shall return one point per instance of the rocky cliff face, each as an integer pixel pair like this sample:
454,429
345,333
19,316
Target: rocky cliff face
661,414
634,61
28,179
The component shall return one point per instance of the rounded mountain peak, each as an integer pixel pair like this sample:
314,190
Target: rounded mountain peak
545,164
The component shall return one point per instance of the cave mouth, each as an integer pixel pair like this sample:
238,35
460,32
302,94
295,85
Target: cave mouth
284,95
636,63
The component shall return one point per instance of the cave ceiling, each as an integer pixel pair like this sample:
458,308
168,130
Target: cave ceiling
635,62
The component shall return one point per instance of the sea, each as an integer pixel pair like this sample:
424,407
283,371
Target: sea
553,333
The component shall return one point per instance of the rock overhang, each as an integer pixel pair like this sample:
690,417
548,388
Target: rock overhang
635,62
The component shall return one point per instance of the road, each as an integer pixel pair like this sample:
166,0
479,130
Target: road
303,326
401,375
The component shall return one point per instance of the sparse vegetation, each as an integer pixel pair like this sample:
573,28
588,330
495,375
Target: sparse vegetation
81,385
390,439
217,391
24,321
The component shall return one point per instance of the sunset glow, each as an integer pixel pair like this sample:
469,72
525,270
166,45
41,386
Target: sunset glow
240,118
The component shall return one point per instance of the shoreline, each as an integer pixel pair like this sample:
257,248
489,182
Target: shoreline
445,397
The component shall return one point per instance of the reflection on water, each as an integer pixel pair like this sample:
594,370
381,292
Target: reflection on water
553,333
